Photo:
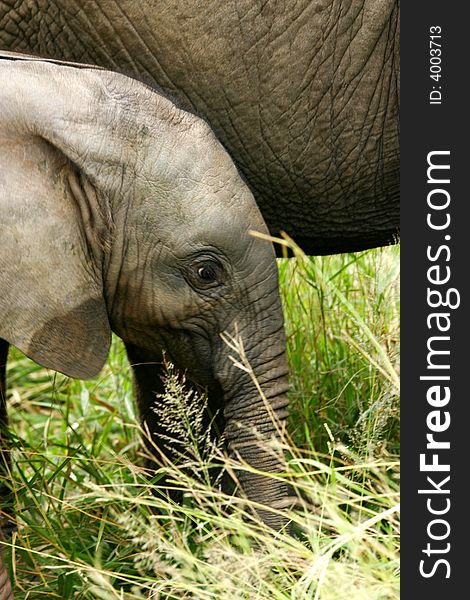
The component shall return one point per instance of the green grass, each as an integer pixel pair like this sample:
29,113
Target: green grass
90,526
342,322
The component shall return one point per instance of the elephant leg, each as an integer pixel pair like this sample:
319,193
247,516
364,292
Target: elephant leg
5,585
147,374
6,508
5,494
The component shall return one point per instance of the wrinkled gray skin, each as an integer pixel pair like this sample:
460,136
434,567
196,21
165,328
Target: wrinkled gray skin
304,95
120,212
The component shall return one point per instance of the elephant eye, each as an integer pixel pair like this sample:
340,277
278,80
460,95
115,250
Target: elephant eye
206,273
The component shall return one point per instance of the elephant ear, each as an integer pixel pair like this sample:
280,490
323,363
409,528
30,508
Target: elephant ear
51,290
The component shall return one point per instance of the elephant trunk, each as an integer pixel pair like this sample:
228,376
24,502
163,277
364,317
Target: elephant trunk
255,412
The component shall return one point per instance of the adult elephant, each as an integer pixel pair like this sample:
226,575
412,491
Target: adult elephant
304,95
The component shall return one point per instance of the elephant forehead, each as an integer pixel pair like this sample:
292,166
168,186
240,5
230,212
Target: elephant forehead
193,227
208,212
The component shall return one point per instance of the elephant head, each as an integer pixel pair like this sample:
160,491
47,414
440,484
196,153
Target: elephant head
120,212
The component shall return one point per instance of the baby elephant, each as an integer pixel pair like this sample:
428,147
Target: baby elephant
121,212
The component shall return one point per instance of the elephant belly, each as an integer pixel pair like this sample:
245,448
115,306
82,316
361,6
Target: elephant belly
303,96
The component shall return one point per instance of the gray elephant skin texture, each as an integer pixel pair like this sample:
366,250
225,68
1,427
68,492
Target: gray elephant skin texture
121,212
304,95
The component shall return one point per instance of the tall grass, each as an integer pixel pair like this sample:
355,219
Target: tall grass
91,525
342,322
